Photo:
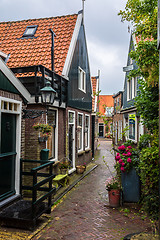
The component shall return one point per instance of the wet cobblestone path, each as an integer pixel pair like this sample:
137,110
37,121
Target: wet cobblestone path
84,213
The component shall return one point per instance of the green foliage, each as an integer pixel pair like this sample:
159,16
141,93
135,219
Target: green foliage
147,103
149,175
143,17
144,141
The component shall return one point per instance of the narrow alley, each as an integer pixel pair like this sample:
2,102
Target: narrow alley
85,213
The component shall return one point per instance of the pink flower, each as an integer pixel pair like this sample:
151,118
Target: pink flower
123,164
117,154
129,154
117,158
124,154
129,160
122,169
121,147
129,147
120,161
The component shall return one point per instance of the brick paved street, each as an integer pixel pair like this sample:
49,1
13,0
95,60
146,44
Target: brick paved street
85,214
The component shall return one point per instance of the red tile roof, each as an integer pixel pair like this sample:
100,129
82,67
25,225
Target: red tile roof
105,101
37,50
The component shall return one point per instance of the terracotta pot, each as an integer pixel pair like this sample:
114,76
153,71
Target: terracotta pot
114,197
80,169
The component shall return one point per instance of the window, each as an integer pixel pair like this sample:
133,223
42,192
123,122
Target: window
80,132
132,126
82,80
109,111
53,138
119,130
129,89
30,31
87,131
134,87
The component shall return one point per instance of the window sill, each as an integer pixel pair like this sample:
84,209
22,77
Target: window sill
80,152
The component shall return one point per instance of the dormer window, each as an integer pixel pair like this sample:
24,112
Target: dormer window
30,31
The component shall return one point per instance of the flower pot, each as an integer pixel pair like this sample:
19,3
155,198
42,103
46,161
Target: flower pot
131,186
80,169
64,171
114,197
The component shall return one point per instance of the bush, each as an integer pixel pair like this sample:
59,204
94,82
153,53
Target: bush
149,175
145,141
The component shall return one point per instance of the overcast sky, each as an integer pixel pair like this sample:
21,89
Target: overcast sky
107,37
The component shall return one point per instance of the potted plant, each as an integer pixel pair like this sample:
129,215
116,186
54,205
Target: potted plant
113,186
63,166
127,161
45,129
80,169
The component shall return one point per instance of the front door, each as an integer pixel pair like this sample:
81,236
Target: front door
101,130
72,140
7,155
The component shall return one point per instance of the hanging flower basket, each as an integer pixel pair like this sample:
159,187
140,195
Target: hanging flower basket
45,129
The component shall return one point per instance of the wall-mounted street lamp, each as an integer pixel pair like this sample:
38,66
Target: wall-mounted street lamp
48,94
47,97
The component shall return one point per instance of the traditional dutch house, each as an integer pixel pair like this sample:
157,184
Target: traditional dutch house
53,50
117,118
13,99
105,115
131,119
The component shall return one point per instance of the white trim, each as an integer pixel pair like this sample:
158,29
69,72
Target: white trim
72,46
3,55
79,150
89,131
14,81
73,149
133,140
81,79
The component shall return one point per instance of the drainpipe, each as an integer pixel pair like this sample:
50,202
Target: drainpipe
52,49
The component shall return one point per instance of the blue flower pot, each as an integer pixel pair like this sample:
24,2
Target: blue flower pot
130,186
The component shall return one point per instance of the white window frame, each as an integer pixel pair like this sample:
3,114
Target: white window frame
81,79
133,140
82,131
120,130
129,89
18,134
73,153
134,87
56,136
88,132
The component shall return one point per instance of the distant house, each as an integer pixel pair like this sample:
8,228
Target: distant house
131,118
13,99
106,106
117,118
95,107
53,49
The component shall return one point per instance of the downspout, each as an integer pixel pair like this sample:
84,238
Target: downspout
52,49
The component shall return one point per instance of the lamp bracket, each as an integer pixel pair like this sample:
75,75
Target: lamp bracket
27,113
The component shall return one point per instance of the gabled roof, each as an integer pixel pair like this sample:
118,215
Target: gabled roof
105,101
36,50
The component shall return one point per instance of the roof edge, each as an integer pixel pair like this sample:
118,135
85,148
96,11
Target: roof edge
72,46
14,81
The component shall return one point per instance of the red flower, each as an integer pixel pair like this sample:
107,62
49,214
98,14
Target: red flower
120,161
129,154
117,158
123,164
122,169
129,160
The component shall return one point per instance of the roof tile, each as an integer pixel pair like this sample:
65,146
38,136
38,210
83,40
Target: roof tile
37,50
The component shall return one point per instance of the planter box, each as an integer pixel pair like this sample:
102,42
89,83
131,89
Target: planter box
130,186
